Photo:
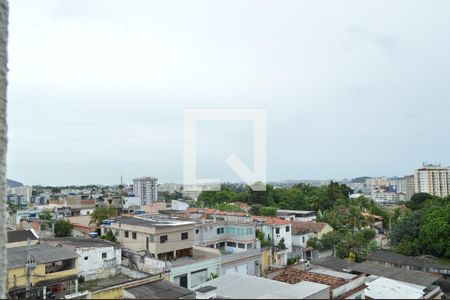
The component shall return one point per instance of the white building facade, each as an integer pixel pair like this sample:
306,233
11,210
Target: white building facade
433,180
146,188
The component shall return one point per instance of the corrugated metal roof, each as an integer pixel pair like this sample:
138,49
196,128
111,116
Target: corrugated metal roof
396,258
40,253
161,290
333,263
20,236
409,276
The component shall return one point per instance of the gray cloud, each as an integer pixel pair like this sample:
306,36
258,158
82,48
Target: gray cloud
97,88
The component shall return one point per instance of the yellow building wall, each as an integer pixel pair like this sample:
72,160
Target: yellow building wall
115,293
265,262
325,230
40,271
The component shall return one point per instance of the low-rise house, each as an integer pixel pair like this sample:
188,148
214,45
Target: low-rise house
98,259
241,286
297,215
80,205
391,258
164,239
248,262
303,231
409,276
228,236
81,225
275,230
191,271
341,285
169,245
52,270
20,238
130,204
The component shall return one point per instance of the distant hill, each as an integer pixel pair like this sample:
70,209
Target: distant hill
12,183
360,179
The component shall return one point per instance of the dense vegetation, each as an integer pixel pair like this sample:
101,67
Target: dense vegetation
298,197
351,237
423,227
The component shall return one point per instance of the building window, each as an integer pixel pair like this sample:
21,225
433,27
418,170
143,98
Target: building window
249,231
86,258
163,239
287,229
197,231
303,239
152,238
231,244
126,234
220,230
134,235
249,246
277,230
242,246
184,236
104,255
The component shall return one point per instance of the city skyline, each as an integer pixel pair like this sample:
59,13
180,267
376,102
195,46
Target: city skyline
99,88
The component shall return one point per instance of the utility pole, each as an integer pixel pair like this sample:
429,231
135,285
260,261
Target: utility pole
30,265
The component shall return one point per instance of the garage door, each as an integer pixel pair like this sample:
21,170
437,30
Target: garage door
199,277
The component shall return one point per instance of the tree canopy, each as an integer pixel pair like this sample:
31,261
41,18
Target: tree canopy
63,228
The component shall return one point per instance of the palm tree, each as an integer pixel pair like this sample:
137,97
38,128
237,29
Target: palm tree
355,219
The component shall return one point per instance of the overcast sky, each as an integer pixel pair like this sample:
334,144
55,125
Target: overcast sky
97,88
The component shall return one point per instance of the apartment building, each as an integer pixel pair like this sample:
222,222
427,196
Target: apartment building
433,180
164,239
146,188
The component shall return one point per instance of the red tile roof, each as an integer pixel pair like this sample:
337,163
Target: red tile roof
300,228
270,220
293,276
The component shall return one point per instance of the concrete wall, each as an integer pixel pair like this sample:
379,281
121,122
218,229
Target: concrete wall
212,266
251,265
97,267
297,240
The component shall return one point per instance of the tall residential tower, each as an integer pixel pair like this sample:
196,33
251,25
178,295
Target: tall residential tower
146,188
433,180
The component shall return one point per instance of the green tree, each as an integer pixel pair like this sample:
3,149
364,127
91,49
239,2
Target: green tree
46,215
269,211
63,228
355,220
102,213
417,200
109,236
281,244
434,235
